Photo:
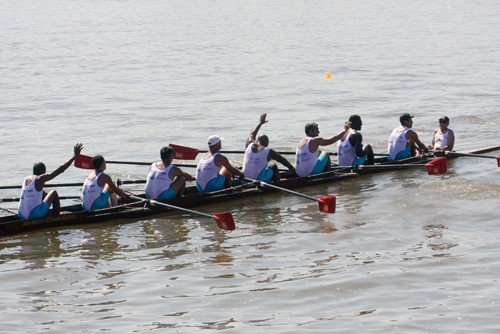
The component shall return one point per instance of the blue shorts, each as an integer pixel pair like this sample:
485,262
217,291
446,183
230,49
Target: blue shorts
320,164
39,211
265,175
100,202
166,194
359,160
402,154
217,183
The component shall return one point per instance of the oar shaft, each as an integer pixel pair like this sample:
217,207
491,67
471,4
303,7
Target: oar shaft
386,166
17,199
173,207
170,206
469,155
142,163
280,152
265,184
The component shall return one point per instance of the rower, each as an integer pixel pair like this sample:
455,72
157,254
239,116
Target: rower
258,154
99,190
164,179
350,149
443,138
403,141
35,202
214,171
309,159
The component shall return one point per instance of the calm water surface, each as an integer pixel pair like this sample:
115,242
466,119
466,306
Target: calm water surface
404,253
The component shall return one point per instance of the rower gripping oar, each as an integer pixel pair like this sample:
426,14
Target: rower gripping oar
224,220
326,204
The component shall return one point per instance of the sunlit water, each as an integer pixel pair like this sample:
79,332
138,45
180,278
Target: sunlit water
405,252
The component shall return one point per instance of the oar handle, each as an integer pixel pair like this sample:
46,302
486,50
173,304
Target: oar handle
265,184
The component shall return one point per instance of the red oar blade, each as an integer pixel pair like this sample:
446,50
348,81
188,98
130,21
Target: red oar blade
436,166
183,152
83,161
498,160
327,204
224,220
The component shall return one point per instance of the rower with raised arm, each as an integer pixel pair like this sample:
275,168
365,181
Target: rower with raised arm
99,190
257,156
164,179
350,149
214,171
443,137
35,202
309,159
403,141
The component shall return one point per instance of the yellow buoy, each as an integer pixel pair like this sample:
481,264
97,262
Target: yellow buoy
327,75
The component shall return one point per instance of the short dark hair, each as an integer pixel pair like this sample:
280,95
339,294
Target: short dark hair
309,126
263,140
97,161
354,118
39,168
166,152
403,118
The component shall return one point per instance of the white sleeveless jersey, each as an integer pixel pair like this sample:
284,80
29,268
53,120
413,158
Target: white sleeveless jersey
305,160
158,180
397,141
346,152
441,139
206,170
30,197
254,162
91,191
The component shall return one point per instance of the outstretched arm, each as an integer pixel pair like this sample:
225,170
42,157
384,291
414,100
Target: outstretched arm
433,139
49,176
256,129
322,141
107,180
282,160
412,135
221,160
451,141
176,171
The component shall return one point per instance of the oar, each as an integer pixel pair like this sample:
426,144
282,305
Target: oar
85,162
77,184
326,203
458,154
9,211
434,167
16,199
189,153
224,220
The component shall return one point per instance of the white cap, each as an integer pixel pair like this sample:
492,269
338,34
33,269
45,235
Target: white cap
212,140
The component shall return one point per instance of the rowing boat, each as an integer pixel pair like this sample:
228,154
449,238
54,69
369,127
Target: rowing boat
141,208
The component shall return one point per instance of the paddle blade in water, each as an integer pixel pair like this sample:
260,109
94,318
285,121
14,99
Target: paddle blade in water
184,153
224,220
498,160
83,161
436,166
327,204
